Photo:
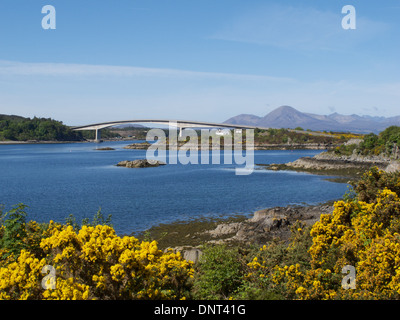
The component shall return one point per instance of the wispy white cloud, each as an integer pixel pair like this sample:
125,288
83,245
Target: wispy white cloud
64,69
298,28
72,95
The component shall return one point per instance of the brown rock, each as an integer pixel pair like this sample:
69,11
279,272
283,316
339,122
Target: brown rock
141,163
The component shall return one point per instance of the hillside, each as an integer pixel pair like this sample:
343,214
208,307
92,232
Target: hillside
385,144
17,128
289,117
286,117
247,119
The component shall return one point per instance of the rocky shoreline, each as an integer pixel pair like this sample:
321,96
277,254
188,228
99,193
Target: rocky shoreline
265,225
330,164
268,224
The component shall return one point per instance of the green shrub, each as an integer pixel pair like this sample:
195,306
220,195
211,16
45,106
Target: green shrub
13,230
219,273
373,181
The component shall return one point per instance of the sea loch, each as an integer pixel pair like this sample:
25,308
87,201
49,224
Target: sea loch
56,180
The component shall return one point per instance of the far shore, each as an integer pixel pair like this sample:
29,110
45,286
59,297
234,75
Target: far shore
145,145
40,142
257,146
8,142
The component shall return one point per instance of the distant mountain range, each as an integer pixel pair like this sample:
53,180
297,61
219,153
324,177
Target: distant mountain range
289,117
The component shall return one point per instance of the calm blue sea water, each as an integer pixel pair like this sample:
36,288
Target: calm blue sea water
55,180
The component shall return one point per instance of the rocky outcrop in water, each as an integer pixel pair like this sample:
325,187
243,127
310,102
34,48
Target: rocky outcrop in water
141,163
105,149
309,163
140,146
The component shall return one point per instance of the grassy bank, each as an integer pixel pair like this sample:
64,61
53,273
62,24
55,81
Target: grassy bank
185,233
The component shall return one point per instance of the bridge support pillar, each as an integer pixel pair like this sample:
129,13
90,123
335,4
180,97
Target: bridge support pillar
97,138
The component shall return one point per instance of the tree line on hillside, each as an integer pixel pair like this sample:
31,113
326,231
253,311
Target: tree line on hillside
15,128
386,142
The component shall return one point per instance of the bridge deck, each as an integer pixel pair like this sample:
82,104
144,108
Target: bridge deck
174,123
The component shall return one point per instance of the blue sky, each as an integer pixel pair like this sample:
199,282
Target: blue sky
197,59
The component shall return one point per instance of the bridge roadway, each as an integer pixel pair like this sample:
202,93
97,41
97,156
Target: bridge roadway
181,124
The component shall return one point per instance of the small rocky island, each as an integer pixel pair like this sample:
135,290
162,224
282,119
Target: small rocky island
104,149
140,163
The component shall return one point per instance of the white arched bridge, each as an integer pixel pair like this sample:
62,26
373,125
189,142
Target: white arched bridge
181,124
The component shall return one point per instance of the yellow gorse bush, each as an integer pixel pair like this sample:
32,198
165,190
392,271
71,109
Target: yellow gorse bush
94,263
364,235
20,278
